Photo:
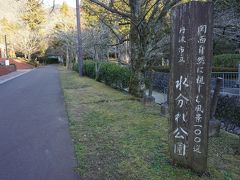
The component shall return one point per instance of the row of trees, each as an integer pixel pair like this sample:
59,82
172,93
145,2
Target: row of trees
147,25
34,29
136,30
25,30
111,26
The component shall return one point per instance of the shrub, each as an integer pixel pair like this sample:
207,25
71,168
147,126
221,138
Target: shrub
110,73
224,69
224,47
226,60
89,69
165,69
228,109
33,63
75,67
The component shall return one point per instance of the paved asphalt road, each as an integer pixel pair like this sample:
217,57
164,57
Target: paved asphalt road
34,138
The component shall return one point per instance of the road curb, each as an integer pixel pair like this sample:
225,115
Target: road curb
13,77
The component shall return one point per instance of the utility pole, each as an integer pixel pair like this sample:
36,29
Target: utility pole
79,38
6,61
6,47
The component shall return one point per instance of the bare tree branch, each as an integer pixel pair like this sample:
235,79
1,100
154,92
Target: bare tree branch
111,9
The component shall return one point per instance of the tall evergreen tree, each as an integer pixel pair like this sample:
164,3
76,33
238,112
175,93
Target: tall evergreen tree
34,14
32,33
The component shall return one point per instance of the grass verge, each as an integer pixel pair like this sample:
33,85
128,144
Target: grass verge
117,137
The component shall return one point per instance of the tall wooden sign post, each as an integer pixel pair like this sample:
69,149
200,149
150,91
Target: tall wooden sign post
189,91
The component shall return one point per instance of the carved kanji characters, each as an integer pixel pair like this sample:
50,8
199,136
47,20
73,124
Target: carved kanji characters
181,100
199,108
198,118
201,60
200,70
180,149
182,30
196,148
202,39
180,133
181,82
179,116
200,82
202,29
201,50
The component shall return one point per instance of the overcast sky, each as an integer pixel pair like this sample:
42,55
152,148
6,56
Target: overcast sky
69,2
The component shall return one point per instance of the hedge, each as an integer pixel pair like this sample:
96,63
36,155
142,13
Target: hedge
224,69
111,74
226,60
228,109
165,69
89,69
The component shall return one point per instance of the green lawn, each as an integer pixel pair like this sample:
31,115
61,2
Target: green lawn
117,137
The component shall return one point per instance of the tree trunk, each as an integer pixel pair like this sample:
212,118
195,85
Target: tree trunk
137,64
115,53
108,58
76,58
126,52
72,58
96,57
79,37
29,56
136,51
97,68
67,59
135,83
150,84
